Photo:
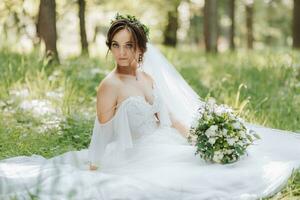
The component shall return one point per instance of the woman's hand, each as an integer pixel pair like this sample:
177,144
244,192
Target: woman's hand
182,129
93,167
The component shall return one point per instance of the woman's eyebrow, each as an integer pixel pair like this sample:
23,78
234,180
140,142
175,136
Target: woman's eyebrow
128,42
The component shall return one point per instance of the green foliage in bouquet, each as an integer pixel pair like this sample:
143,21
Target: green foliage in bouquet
219,134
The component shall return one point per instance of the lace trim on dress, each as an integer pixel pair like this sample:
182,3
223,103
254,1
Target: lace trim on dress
117,107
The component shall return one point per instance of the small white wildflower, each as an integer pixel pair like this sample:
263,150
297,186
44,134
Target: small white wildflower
22,93
209,117
39,107
211,102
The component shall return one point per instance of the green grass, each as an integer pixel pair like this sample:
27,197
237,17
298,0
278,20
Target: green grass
263,85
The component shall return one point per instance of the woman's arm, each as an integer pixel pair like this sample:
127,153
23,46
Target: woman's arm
184,130
106,100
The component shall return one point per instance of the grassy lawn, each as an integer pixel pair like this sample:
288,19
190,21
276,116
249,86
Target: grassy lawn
48,110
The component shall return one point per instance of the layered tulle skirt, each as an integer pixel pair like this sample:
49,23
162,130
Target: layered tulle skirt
161,165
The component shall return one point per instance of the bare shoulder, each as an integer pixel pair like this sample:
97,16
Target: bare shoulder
109,83
148,77
107,94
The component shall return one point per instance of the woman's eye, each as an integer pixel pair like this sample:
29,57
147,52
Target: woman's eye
129,46
115,45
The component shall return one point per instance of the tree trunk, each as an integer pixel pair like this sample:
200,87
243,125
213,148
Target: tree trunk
232,27
170,33
84,43
249,24
296,24
211,25
46,27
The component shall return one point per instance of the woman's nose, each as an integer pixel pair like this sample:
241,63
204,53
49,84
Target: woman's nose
122,51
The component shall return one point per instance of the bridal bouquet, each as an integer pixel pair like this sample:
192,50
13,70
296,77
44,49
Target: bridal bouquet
219,134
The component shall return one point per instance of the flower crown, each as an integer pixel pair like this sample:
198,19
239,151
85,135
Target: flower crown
133,20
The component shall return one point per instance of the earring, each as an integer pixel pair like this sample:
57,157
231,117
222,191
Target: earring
140,57
140,60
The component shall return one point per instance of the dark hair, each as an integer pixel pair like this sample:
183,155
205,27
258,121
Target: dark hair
138,34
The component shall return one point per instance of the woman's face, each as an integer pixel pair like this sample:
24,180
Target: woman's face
122,48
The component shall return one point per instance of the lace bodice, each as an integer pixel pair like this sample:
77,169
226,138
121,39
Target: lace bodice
141,115
133,119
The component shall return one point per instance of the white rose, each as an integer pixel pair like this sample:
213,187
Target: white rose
212,140
218,155
208,132
219,111
211,131
224,131
216,159
230,141
236,125
229,151
243,134
214,127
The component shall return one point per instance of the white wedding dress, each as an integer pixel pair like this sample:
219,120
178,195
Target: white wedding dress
141,157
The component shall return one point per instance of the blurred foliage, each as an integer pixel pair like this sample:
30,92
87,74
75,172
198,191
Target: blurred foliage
272,22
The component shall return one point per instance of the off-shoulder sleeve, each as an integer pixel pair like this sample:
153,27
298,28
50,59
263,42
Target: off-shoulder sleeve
164,117
122,129
102,135
116,130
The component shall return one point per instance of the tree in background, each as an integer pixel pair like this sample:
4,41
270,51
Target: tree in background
46,27
14,20
249,23
83,38
232,26
275,27
170,32
195,32
211,25
296,24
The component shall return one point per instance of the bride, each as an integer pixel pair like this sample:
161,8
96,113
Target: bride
139,147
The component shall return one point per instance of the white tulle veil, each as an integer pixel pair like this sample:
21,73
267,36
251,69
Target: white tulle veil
182,101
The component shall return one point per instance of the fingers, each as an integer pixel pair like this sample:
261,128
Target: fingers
93,167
